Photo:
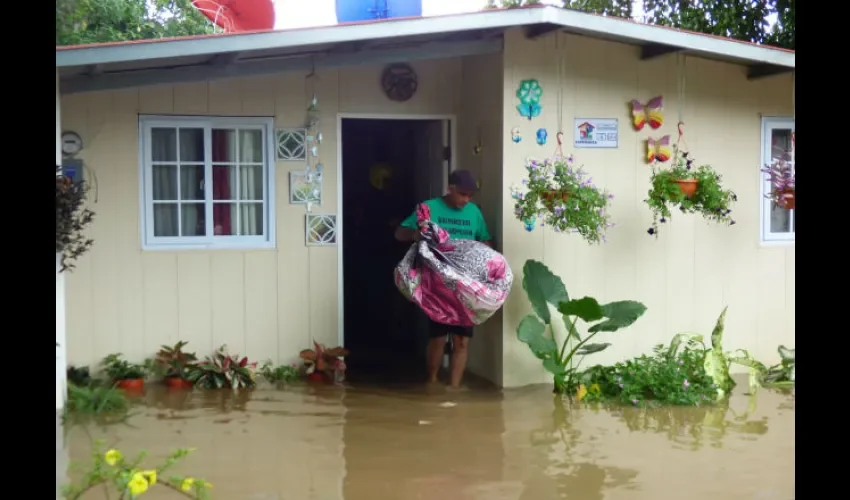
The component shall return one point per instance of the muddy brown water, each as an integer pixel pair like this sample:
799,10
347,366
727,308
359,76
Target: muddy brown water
403,443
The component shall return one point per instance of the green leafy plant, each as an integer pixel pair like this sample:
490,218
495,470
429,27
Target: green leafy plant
121,369
72,218
710,199
280,373
79,376
564,197
669,376
552,334
223,370
173,362
777,376
111,470
95,400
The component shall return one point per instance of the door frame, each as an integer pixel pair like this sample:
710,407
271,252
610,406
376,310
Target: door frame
452,142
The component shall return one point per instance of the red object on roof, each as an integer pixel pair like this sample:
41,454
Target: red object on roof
238,15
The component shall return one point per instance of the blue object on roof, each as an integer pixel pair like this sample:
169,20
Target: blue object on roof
348,11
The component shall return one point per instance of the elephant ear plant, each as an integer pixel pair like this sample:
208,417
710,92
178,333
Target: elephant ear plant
552,334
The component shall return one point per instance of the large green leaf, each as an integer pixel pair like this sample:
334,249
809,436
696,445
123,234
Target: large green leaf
532,332
619,314
591,348
552,366
585,308
542,286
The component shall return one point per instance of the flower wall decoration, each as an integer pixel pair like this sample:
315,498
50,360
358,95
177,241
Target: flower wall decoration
529,94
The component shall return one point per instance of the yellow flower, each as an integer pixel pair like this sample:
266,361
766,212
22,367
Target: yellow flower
150,476
594,389
581,392
138,484
112,456
187,484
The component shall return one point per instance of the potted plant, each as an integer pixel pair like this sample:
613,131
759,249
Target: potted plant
175,365
126,375
783,186
691,189
72,217
223,370
562,195
324,365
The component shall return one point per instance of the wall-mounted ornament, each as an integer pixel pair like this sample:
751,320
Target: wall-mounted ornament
530,222
658,149
476,150
399,82
529,93
652,113
379,174
515,135
542,135
290,144
320,230
305,186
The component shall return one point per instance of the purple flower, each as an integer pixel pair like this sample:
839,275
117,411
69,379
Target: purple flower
610,196
686,384
635,401
524,181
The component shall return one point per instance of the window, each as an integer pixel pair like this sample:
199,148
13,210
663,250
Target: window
207,182
777,223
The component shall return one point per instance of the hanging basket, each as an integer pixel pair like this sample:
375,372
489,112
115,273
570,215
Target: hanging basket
788,199
550,197
688,186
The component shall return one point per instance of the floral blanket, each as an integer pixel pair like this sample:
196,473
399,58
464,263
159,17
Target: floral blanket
456,282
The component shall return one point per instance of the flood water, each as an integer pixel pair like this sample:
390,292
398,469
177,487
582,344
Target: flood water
373,443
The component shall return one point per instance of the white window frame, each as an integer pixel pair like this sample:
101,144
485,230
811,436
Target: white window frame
209,241
768,125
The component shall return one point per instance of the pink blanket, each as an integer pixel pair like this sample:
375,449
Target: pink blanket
456,282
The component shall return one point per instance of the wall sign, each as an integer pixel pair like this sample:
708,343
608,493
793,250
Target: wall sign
596,133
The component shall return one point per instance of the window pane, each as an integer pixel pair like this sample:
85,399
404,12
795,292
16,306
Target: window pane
780,140
224,182
191,182
165,219
251,223
192,144
164,144
223,145
224,219
251,146
164,182
251,183
192,217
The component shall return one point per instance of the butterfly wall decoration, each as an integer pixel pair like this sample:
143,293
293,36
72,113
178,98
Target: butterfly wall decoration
658,149
651,112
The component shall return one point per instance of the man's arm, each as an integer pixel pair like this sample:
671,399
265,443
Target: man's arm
408,230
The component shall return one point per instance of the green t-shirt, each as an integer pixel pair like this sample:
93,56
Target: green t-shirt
466,223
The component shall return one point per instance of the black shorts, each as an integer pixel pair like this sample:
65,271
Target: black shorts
437,330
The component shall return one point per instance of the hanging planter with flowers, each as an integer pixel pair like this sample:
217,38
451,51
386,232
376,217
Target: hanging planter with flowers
563,196
693,190
72,218
783,185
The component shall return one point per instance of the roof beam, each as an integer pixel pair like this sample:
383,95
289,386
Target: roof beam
759,71
539,30
653,50
204,72
225,59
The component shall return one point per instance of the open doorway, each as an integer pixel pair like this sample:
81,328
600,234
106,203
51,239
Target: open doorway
388,165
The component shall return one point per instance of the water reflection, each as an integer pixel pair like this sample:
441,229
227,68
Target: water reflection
401,443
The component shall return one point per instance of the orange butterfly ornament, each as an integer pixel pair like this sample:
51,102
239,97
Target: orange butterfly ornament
652,112
658,149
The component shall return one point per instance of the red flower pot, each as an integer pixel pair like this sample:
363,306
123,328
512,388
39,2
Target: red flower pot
688,186
178,383
131,384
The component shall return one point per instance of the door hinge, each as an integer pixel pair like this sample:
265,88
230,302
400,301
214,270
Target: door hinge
447,153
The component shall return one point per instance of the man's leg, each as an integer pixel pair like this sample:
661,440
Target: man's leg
460,353
436,346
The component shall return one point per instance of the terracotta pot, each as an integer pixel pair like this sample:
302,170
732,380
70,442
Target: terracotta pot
788,202
550,197
316,376
178,383
131,384
688,186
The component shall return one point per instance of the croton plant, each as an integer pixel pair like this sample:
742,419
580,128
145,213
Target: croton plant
223,370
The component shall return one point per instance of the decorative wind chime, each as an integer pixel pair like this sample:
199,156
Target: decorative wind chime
312,139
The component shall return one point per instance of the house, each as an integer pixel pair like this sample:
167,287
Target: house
198,151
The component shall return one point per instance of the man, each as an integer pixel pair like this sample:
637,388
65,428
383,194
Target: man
462,220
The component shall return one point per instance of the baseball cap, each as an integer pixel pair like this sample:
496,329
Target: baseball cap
463,179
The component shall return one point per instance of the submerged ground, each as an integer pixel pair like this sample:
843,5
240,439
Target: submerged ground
400,443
